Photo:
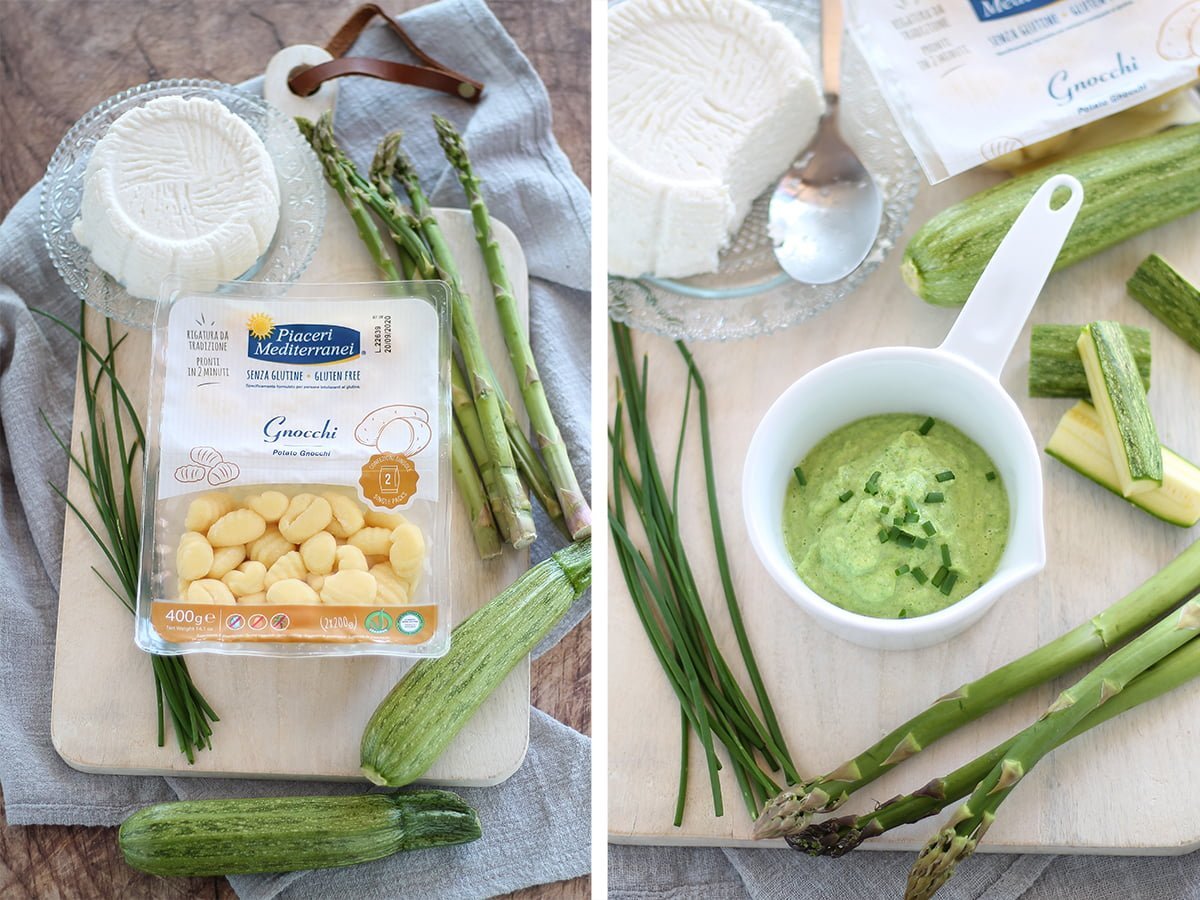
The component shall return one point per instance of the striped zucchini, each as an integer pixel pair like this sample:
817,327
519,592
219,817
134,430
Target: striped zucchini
1079,442
1055,369
1120,402
1128,188
1170,296
287,834
432,702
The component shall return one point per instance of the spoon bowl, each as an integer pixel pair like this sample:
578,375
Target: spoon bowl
826,211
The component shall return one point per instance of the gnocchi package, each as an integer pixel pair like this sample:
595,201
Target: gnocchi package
973,81
297,482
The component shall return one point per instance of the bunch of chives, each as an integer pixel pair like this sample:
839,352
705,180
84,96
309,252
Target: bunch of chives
668,602
108,463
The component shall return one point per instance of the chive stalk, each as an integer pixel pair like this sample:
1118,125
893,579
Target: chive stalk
109,465
667,598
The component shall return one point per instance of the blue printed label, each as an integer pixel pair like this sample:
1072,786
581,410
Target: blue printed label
986,10
301,344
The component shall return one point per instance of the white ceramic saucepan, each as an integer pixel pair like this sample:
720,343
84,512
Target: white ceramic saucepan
956,382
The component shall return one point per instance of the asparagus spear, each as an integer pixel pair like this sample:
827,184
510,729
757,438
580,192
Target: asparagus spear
575,509
789,811
961,835
472,431
487,539
321,139
838,836
516,515
527,462
402,225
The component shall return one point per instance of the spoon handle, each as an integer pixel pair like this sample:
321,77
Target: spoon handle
994,314
831,48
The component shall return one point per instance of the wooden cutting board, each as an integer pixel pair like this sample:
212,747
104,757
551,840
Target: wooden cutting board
280,718
835,698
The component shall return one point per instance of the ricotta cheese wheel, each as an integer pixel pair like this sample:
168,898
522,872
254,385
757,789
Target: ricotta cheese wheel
709,103
177,186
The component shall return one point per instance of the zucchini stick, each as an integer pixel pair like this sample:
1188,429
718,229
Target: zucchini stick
1079,442
1055,369
1170,296
1120,401
576,513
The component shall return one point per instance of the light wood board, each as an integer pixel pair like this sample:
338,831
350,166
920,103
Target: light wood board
280,718
835,698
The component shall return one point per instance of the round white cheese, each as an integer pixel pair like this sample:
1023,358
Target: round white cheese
709,102
177,186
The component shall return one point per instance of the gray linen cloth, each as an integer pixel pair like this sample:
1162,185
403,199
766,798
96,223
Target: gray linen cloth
537,824
662,873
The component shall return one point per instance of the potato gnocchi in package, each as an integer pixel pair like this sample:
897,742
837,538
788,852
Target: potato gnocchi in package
297,482
973,80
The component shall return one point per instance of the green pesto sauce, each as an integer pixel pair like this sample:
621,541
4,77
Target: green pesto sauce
835,545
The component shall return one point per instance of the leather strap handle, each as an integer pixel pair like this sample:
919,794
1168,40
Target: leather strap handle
433,75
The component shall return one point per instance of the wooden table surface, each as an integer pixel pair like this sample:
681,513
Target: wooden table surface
60,60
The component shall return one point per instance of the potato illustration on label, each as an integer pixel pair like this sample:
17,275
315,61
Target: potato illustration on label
1179,36
399,429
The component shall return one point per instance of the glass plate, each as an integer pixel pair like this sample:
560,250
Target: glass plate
750,294
301,188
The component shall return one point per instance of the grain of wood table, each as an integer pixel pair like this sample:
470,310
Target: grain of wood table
61,59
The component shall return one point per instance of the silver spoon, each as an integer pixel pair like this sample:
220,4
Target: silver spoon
825,212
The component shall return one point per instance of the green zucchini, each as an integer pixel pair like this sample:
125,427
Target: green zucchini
436,697
286,834
1079,442
1128,188
1055,369
1170,296
1120,402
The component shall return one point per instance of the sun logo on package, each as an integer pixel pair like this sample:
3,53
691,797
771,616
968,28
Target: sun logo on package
397,433
260,325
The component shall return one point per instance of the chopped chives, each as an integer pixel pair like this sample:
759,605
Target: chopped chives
904,539
872,486
912,518
926,425
929,527
946,555
944,476
948,584
883,535
902,569
909,505
935,497
845,495
799,473
894,532
921,543
919,574
991,476
899,520
939,576
903,614
884,510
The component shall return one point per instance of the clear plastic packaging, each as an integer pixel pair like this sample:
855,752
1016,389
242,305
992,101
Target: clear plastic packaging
297,494
972,82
